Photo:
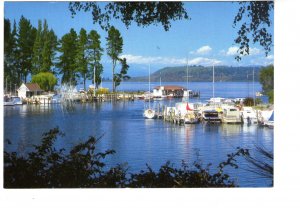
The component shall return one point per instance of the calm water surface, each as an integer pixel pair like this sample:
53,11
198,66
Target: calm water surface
138,141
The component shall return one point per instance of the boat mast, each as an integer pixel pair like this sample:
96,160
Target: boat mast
149,84
187,73
214,83
253,86
94,81
160,79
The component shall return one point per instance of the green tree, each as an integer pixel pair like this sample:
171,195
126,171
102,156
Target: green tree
82,57
49,48
37,50
46,80
9,59
26,37
142,13
67,59
267,80
119,77
94,57
254,15
44,48
114,48
255,18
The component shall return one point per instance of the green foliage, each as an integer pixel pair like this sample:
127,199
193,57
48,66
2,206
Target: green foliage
49,50
81,56
142,13
248,101
102,91
94,56
46,80
83,166
11,68
37,50
114,47
44,49
25,41
67,59
270,95
118,77
257,28
267,80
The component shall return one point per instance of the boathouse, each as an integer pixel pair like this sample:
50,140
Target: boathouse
29,90
169,91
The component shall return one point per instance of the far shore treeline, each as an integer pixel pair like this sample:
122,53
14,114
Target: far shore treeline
198,73
74,58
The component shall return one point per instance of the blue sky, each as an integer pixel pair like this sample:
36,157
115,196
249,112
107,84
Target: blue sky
205,39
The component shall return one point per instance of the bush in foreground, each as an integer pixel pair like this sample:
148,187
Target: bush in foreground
83,167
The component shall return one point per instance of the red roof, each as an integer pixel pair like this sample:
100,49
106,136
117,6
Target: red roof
170,87
33,87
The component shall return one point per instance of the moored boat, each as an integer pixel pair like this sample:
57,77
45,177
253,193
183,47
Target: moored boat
149,113
248,115
231,115
17,100
211,116
8,101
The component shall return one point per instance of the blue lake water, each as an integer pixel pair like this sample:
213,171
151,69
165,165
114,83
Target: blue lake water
138,141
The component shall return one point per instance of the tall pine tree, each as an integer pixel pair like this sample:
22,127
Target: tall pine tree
37,50
82,56
26,38
114,48
67,59
48,52
44,49
95,53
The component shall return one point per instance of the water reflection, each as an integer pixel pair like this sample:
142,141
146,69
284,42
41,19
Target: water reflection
231,129
136,140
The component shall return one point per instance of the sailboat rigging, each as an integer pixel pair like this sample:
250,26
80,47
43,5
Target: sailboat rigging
149,113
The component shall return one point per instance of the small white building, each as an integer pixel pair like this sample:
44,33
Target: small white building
168,90
29,90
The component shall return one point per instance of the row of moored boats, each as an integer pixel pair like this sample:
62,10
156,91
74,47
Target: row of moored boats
192,113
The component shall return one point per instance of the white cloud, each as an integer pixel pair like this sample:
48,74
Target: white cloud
233,51
203,50
132,59
203,61
270,57
152,60
254,51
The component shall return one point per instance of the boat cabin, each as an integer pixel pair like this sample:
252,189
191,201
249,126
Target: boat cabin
231,115
211,116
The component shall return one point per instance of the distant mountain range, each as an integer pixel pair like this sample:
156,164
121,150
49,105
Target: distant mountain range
202,74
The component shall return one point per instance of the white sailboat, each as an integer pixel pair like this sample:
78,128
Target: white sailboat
149,113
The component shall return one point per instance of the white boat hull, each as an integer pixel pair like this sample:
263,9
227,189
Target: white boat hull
149,114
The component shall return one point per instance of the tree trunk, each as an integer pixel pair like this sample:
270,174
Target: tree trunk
113,79
84,79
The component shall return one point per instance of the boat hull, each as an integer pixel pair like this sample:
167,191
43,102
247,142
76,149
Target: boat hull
149,114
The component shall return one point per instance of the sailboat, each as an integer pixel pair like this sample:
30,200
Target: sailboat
149,113
186,108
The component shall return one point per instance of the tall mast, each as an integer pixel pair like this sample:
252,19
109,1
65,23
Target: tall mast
160,79
187,74
253,86
149,85
214,83
94,80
